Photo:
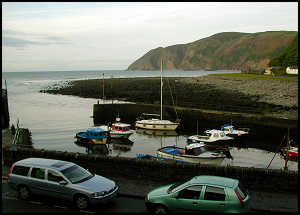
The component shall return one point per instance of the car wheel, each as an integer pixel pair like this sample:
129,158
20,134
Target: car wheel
81,202
160,209
23,192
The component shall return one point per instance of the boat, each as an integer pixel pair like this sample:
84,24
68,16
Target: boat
193,153
230,131
290,152
156,132
211,138
157,158
93,135
118,130
155,123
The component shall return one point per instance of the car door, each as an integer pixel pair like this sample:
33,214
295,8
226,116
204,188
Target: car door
213,199
186,200
54,186
37,182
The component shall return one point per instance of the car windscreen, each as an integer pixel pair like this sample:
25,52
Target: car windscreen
76,174
174,186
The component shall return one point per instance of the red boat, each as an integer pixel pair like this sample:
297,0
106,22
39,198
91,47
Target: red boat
291,153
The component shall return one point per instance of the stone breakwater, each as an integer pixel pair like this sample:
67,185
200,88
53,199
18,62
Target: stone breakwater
273,98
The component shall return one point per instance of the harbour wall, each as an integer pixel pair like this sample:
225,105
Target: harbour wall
4,110
150,172
268,128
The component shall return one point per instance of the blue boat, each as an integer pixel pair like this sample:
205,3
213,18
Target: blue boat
92,136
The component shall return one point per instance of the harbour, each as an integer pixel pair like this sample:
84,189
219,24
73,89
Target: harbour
55,119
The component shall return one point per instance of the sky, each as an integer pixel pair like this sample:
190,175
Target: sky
51,36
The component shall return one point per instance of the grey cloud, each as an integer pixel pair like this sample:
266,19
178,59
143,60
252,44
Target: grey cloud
12,39
15,42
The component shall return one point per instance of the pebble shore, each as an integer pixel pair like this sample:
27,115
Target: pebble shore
276,92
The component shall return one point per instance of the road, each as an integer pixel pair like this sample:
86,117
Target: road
38,204
11,204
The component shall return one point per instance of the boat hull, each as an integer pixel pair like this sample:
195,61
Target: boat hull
156,126
191,158
120,135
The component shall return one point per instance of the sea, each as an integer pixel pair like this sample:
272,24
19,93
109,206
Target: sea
53,120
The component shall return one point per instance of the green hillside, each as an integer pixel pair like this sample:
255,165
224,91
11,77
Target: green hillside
289,57
228,50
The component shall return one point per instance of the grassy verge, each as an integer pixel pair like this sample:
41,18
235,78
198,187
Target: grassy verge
293,78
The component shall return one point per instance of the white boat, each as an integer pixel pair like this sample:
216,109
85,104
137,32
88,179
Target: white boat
154,123
230,131
193,153
118,130
156,132
211,138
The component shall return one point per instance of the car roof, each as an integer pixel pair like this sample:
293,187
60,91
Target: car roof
215,180
46,163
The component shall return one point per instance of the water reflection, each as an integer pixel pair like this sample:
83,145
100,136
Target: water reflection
120,145
99,149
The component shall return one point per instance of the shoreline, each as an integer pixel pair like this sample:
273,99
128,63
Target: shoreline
273,98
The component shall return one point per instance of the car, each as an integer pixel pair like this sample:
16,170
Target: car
60,179
204,193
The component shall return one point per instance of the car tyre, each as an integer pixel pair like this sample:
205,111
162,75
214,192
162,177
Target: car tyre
81,202
23,192
160,209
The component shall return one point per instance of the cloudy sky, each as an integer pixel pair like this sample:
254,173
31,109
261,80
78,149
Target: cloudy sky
51,36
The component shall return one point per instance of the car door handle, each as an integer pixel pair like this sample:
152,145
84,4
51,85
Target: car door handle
222,204
195,203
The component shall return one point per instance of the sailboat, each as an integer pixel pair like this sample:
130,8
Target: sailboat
155,123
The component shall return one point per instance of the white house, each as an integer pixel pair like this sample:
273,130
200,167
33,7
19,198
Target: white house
292,70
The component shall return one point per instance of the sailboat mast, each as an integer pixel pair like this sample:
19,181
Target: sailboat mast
161,88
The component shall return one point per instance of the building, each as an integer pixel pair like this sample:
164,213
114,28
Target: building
293,70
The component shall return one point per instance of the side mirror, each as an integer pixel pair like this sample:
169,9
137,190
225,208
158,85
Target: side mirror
63,183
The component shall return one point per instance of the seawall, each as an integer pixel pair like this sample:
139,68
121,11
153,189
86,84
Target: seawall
4,110
268,128
151,172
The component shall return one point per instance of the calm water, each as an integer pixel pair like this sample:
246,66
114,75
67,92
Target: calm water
54,119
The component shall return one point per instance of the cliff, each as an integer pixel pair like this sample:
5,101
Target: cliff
229,50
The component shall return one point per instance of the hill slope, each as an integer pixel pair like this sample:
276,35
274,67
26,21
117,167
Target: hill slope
289,57
229,50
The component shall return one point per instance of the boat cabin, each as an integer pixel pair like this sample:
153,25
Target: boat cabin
95,133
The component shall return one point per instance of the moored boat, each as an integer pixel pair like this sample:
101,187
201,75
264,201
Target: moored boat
193,153
211,138
230,131
94,135
155,123
118,130
156,132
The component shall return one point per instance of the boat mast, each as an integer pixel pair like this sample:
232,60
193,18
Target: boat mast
161,87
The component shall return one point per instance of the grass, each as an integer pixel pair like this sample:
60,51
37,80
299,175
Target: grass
293,78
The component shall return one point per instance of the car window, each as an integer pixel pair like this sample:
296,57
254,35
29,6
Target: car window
241,190
38,173
20,170
192,192
76,174
54,176
214,193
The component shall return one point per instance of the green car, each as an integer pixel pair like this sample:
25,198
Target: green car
200,194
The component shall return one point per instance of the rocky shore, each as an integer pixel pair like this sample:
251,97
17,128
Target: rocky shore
271,97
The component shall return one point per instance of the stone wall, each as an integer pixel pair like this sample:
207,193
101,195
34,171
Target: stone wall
168,172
